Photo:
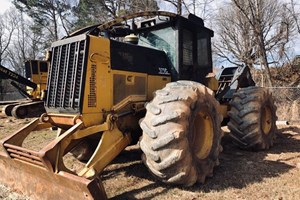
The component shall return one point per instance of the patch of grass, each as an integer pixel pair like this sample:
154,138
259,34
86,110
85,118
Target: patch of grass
272,174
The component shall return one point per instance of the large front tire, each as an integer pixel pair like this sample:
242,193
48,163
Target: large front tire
252,118
182,133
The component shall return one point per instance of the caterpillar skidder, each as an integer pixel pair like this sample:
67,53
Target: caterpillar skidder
33,105
100,80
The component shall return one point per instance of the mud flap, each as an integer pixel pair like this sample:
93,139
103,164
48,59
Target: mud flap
39,183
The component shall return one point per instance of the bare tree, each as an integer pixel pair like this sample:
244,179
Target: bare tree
177,4
235,41
8,23
254,32
25,44
293,7
112,7
201,8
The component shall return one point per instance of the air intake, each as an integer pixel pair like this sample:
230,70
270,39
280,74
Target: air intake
66,75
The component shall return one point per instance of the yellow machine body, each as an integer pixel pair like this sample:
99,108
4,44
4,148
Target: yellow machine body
117,85
37,72
111,107
97,90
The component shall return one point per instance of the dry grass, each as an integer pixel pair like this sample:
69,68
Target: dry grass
272,174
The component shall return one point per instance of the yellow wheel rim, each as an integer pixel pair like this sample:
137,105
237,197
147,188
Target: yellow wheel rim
202,135
266,120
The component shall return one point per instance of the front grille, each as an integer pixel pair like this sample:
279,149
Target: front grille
66,75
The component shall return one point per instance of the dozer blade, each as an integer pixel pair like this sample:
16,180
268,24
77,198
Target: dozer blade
38,183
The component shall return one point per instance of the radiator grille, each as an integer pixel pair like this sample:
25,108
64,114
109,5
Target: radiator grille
65,81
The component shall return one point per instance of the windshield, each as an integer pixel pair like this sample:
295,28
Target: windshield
163,39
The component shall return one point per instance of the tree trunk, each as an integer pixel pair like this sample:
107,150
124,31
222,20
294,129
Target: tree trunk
1,90
264,61
179,7
261,43
54,21
1,87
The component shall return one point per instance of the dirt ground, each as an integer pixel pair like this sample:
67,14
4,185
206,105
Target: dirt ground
272,174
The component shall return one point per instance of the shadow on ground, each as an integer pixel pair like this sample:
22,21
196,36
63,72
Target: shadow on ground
238,168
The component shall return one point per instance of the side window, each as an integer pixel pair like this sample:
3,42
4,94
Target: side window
43,67
165,40
187,45
34,67
27,69
202,51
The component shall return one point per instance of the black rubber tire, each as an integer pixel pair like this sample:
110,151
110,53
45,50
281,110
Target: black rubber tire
249,126
7,109
28,109
19,112
168,140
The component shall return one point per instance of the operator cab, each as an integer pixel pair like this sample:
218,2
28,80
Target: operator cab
35,67
37,72
186,41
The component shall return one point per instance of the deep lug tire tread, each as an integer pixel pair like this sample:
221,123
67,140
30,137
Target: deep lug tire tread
166,133
245,118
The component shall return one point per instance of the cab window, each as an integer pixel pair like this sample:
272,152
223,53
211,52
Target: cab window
34,67
43,67
202,51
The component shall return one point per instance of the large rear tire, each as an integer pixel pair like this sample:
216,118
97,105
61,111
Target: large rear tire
252,118
182,133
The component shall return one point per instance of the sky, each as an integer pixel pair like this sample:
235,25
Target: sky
4,5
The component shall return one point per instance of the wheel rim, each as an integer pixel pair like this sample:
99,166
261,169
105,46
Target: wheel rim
202,135
266,120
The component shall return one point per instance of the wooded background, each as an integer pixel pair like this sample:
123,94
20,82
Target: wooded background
258,33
